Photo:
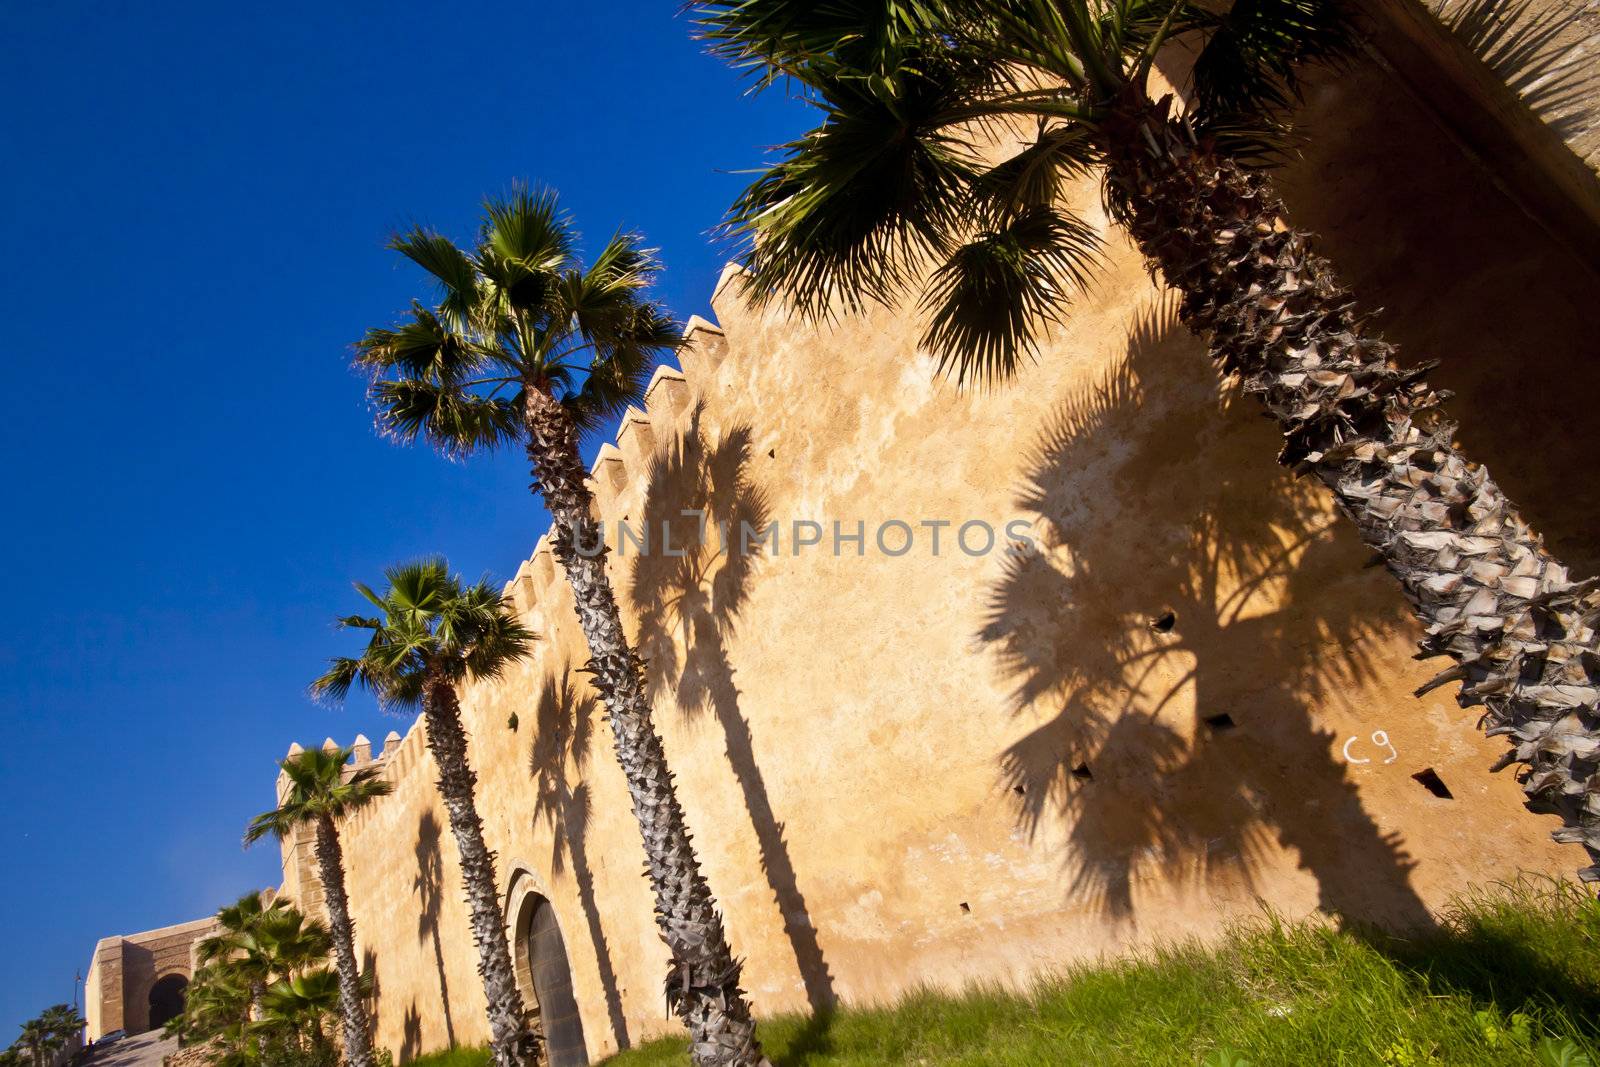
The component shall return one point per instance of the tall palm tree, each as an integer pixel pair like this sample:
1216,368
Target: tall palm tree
890,185
320,793
432,633
527,345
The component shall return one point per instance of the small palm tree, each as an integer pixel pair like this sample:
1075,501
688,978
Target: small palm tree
38,1041
430,634
300,1006
217,1003
43,1035
259,943
320,792
63,1022
889,197
527,345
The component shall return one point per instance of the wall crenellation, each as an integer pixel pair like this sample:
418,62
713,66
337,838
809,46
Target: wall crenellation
622,464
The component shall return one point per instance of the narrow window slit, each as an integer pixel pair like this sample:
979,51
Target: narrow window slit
1220,721
1082,773
1434,784
1163,623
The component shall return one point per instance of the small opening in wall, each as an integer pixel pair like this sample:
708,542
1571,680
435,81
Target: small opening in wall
1082,773
1163,623
1434,784
772,453
513,722
966,909
1017,789
1220,721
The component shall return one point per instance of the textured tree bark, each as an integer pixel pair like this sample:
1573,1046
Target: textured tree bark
330,866
1522,633
702,985
457,782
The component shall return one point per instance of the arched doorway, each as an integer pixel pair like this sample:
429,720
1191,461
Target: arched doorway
166,999
542,964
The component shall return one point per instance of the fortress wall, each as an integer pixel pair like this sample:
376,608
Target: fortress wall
940,769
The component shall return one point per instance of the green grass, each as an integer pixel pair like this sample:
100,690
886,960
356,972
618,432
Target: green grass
458,1057
1512,977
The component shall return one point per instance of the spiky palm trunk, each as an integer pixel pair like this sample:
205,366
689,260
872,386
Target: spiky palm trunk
457,784
703,982
1522,633
330,866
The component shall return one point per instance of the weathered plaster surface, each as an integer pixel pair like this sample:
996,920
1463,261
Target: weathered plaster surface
877,755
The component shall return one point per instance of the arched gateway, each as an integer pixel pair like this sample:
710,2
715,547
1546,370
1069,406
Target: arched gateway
166,999
545,975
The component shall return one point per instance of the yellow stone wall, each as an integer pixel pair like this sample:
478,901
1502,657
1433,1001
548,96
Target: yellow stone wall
952,768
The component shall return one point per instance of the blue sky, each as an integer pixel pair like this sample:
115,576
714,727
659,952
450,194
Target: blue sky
195,200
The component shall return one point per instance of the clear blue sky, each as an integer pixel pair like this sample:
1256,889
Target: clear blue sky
195,199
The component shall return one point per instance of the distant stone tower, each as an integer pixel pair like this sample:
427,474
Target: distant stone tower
137,982
301,882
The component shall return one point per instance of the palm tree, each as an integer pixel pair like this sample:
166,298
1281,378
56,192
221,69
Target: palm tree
321,792
62,1021
300,1006
890,185
259,943
38,1041
518,314
432,633
217,1003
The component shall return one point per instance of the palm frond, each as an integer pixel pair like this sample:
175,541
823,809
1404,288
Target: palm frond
1246,69
600,301
852,210
526,242
1037,175
334,684
455,421
425,347
988,300
777,38
450,267
621,367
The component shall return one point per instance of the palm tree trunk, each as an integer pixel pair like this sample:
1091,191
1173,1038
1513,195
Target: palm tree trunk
457,784
330,866
703,983
1522,633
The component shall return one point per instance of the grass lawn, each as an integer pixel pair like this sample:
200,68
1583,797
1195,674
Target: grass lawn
460,1057
1512,977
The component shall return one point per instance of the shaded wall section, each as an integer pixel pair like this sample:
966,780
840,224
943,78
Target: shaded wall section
1171,690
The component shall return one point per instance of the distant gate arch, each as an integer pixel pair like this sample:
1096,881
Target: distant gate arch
166,999
545,974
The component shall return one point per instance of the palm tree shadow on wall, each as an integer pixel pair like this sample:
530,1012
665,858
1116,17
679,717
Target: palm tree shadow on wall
565,728
430,885
371,989
1173,562
411,1034
693,601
